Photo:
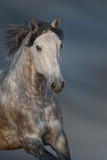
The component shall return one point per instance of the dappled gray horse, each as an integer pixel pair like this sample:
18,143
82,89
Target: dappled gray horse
30,117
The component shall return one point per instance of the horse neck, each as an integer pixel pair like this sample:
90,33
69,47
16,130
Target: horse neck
26,77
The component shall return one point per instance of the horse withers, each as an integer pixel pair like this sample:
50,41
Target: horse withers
30,116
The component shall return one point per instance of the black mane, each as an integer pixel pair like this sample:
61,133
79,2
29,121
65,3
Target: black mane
16,34
44,27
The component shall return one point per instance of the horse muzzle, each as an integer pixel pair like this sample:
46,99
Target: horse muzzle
56,86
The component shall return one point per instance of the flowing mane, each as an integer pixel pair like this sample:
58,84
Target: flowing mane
16,33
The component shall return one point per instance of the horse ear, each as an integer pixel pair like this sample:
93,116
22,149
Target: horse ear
33,26
56,23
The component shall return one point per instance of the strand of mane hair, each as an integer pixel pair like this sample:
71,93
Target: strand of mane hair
15,35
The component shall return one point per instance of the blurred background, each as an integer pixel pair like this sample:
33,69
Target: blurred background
84,68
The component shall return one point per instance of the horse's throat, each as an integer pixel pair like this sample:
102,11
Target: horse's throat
40,84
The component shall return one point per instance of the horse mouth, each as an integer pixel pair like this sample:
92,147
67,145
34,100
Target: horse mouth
58,91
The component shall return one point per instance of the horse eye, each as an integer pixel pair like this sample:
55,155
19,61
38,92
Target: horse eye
38,48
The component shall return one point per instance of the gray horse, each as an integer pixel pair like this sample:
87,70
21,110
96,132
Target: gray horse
30,116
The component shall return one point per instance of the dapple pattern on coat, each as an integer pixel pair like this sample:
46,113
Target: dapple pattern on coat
30,116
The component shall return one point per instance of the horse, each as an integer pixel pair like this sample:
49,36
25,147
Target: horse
30,116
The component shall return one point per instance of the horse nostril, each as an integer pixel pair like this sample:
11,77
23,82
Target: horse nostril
63,85
53,86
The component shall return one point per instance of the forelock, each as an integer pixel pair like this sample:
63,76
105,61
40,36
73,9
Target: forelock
43,27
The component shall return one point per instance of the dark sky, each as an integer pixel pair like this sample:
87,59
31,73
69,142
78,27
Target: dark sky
84,67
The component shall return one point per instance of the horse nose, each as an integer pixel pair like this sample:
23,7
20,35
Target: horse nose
56,87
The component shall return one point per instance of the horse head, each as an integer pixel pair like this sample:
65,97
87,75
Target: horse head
46,46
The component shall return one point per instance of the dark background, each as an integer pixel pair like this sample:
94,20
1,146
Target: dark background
84,67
